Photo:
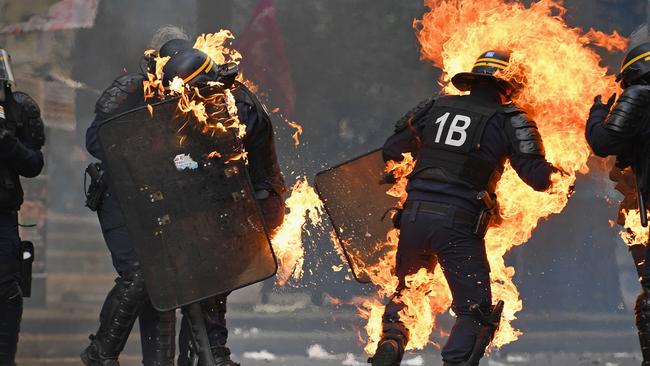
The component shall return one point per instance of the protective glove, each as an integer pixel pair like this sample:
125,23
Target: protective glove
598,103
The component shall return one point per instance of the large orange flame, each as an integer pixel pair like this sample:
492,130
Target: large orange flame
302,204
634,232
560,75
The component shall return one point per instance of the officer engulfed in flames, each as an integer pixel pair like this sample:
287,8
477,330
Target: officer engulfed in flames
461,144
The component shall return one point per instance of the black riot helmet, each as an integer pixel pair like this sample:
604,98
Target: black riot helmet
169,48
174,46
485,68
193,66
636,66
6,72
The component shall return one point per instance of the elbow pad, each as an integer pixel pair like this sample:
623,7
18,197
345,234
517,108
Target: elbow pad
630,111
523,133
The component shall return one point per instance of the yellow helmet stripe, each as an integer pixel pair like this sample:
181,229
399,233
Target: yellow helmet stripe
498,66
489,59
634,60
199,70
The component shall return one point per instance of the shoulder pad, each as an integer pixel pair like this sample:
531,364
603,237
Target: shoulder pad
243,95
28,105
511,108
414,114
630,111
32,130
124,94
523,132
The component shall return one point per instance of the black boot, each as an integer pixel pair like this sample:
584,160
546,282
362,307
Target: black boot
390,349
122,306
222,356
157,336
642,317
11,310
388,354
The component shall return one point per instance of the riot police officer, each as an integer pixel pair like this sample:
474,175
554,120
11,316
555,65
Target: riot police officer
21,139
128,299
461,144
623,131
263,168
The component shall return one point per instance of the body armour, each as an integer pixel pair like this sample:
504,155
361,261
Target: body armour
264,169
452,137
23,119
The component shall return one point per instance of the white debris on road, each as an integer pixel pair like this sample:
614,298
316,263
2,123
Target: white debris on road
350,360
261,355
415,361
317,352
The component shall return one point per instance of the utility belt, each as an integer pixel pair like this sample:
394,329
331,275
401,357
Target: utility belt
480,222
96,190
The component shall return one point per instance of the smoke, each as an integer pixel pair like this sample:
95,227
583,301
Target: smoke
167,33
639,36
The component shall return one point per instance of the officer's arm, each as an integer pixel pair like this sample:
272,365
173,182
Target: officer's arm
24,154
257,132
92,143
408,131
612,133
526,150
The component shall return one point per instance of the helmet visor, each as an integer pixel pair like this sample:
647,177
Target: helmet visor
6,73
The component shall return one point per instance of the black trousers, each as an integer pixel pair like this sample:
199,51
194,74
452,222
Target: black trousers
428,239
11,304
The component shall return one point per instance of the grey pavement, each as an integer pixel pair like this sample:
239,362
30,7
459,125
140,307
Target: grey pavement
290,331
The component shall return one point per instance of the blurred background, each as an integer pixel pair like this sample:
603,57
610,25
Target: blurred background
346,71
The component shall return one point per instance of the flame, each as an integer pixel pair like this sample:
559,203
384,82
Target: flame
634,232
215,45
297,133
560,75
303,204
211,115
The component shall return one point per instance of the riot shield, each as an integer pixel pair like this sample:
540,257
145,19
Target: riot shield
355,201
192,216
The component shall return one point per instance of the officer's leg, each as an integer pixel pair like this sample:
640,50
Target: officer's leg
214,311
214,316
464,262
122,306
642,309
184,343
157,335
11,299
413,253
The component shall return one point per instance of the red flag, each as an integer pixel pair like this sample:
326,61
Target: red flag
265,60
